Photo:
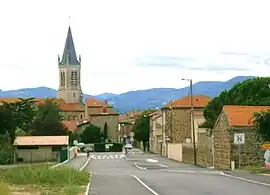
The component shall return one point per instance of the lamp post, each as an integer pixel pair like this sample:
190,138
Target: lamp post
192,120
171,108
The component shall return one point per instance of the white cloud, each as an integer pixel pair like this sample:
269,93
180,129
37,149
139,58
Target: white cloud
112,35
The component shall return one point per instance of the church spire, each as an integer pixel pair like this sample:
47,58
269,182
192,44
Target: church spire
69,55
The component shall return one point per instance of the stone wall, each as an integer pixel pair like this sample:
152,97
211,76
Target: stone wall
222,144
250,152
187,153
226,151
73,115
154,145
178,125
204,150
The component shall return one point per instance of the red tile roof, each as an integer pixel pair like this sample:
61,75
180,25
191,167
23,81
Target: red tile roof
71,125
199,101
241,116
91,102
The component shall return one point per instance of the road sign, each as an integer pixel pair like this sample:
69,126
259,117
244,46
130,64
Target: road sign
75,142
239,138
131,134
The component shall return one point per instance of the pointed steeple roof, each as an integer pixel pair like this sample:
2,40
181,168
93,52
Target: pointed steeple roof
69,55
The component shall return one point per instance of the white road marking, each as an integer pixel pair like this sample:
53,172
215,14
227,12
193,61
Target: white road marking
144,185
151,160
193,171
165,166
244,179
85,164
139,167
99,157
60,163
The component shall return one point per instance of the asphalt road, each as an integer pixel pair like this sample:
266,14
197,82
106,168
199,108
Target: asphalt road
143,174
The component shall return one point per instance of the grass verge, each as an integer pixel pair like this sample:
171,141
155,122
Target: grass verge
256,169
41,180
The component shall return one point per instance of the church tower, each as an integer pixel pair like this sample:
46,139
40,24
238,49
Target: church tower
69,73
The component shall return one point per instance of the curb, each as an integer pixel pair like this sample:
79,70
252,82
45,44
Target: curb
88,187
244,179
265,174
59,164
87,192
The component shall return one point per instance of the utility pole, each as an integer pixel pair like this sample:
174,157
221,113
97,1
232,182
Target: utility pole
171,122
192,121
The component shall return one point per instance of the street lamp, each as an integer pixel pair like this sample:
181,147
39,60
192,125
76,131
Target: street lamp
192,121
171,126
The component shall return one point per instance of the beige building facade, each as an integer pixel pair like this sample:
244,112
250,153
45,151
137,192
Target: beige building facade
40,148
155,139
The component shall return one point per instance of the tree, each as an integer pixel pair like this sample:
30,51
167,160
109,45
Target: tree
91,134
48,120
141,127
251,92
73,136
105,131
20,132
261,121
16,115
6,149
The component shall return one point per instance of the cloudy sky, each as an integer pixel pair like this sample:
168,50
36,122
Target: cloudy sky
133,44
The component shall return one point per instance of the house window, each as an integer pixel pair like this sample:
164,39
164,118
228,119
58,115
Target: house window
74,77
81,116
62,79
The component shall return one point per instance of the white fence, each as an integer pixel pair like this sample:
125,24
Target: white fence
175,151
72,152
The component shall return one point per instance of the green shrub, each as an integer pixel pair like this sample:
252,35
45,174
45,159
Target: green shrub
100,147
117,147
6,150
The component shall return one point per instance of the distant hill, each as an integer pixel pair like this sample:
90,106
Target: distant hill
140,99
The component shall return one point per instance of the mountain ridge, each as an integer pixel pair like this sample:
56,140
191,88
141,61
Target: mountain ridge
139,99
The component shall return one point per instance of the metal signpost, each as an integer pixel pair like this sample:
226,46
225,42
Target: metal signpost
239,139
